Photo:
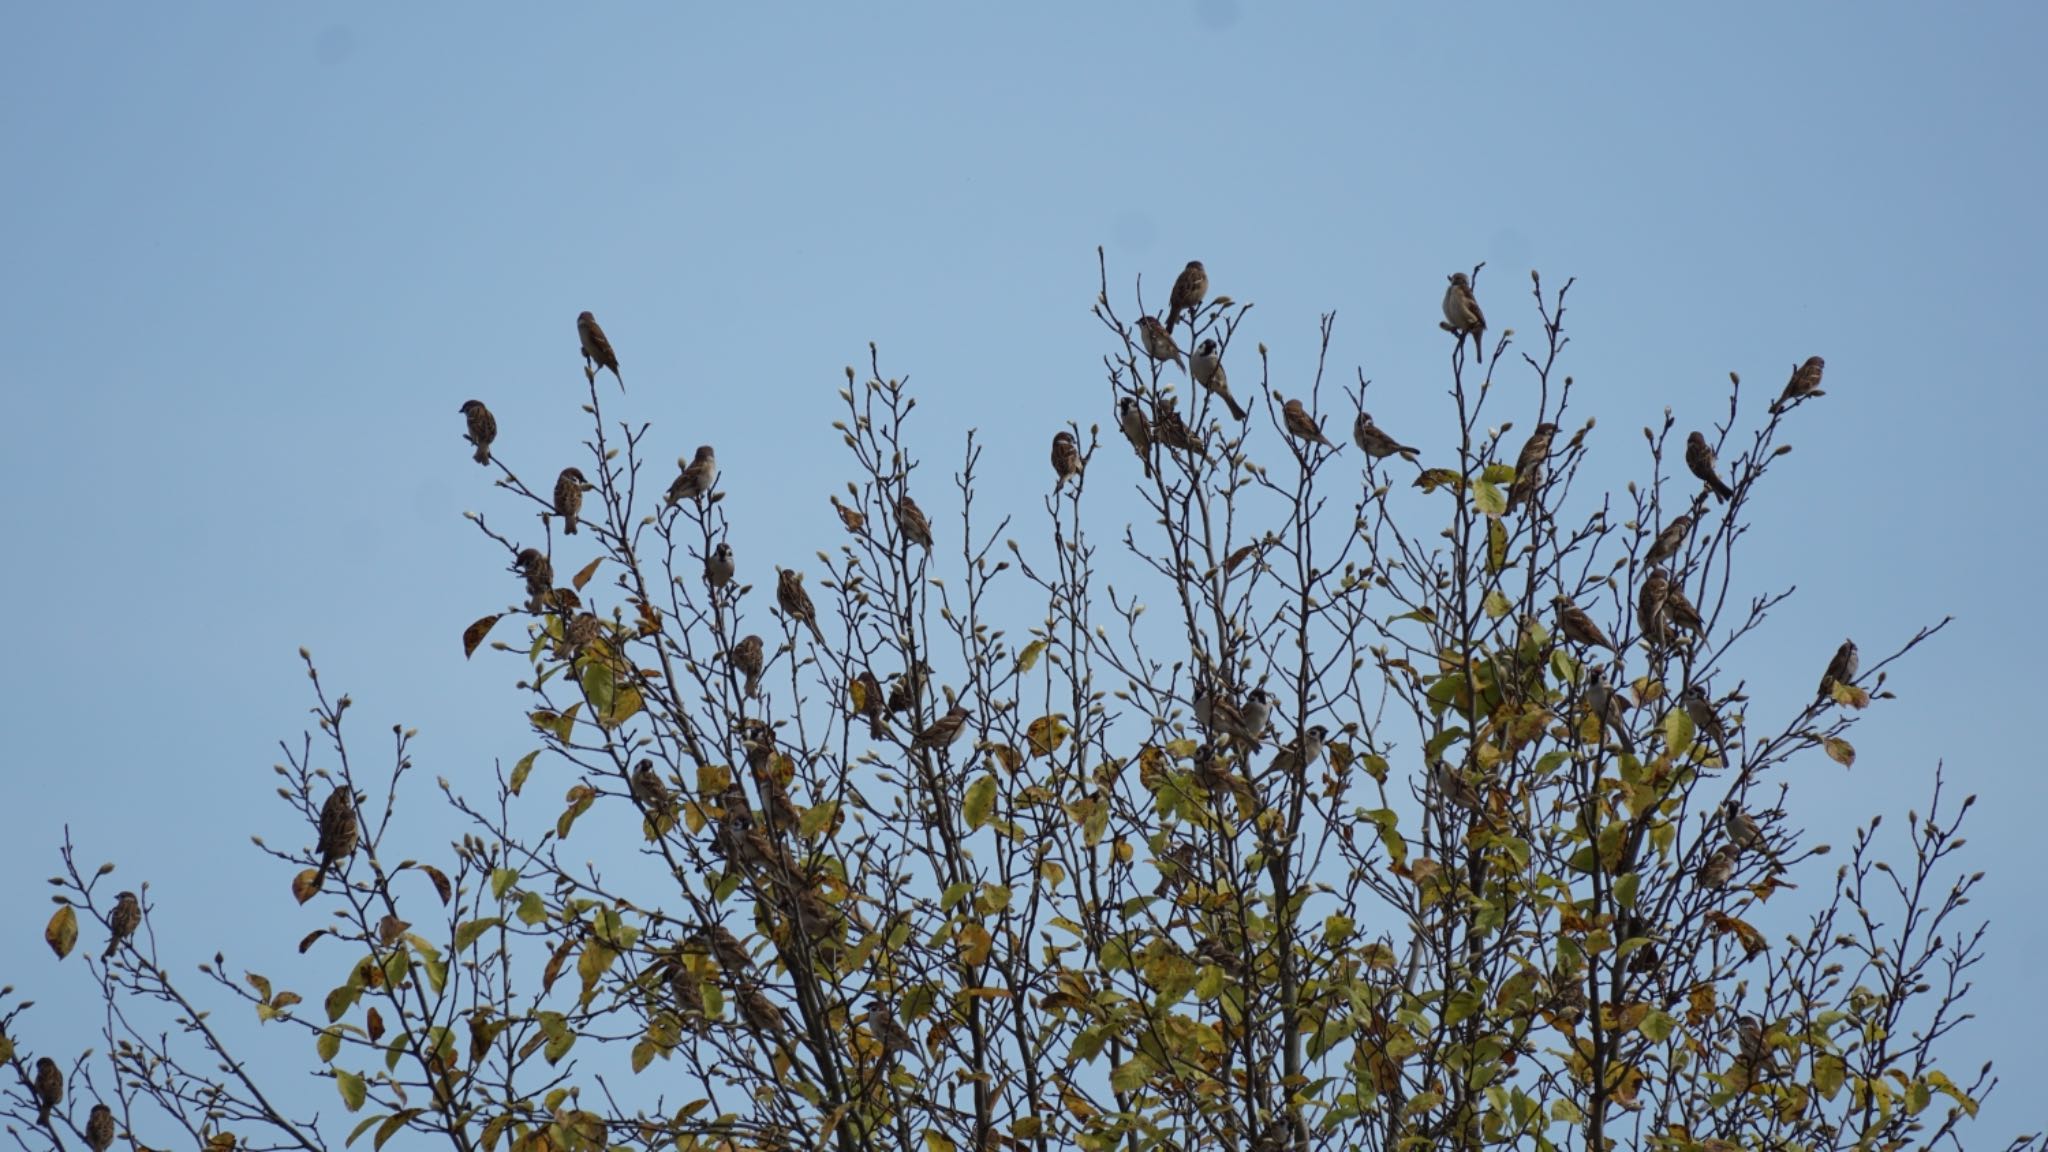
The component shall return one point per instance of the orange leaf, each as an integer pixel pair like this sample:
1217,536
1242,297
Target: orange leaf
306,885
584,576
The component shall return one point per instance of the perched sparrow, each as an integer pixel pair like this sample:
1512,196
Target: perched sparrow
906,690
1700,711
888,1033
483,428
1066,458
718,567
540,577
1454,787
1158,341
851,517
569,488
122,922
1751,1042
1301,425
910,520
1130,416
1611,707
1579,627
1841,670
1805,382
1375,443
1680,611
338,831
1652,618
99,1128
1252,718
1742,829
748,659
1719,866
1206,366
597,351
649,790
1529,465
1670,541
1171,432
1462,314
1699,457
697,477
688,992
581,631
1301,754
873,704
941,733
795,602
1189,289
49,1087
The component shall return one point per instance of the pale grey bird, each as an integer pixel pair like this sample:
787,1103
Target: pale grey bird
1462,314
1206,366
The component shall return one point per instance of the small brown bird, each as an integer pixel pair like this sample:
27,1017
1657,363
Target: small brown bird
99,1128
888,1033
1190,288
583,629
748,659
1066,459
1841,670
906,690
649,790
1678,609
697,477
1670,541
1529,465
540,577
688,992
49,1088
1742,829
1651,618
725,948
1719,866
874,704
597,351
338,831
910,520
1301,425
851,517
1299,755
1452,784
1611,707
1206,366
1462,315
569,488
1374,442
1805,382
1158,341
795,602
122,922
1171,432
483,428
1579,627
942,733
1130,416
1700,711
718,567
762,1016
1700,458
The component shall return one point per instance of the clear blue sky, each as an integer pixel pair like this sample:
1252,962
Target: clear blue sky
256,255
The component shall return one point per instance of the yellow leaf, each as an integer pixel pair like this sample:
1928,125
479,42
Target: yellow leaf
475,633
584,576
1840,751
62,932
1028,658
1046,734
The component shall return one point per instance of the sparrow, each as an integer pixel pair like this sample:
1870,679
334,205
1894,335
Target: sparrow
762,1016
99,1128
1189,289
1375,443
1252,718
483,428
910,520
1158,341
873,704
1301,754
1742,829
795,602
1301,425
1704,719
748,659
1130,416
1841,670
688,992
582,629
1461,313
1206,366
1066,459
1171,432
540,577
597,351
1579,627
569,488
851,517
1680,611
49,1088
718,567
1699,457
649,791
1611,707
1454,787
338,831
1529,465
945,730
122,922
1670,541
888,1033
697,476
1651,617
906,690
725,948
1805,382
1719,866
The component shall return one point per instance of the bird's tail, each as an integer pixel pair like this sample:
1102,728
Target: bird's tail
1237,411
483,454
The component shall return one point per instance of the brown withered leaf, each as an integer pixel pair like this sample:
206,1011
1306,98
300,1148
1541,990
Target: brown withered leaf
61,934
374,1025
1238,557
473,635
390,928
306,885
1752,941
583,577
441,885
315,934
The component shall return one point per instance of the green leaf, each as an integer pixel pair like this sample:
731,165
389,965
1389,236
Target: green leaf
1625,887
1131,1075
817,818
532,912
353,1092
1678,731
643,1055
1496,546
502,880
937,1141
329,1045
599,687
61,934
1488,498
342,999
1829,1072
393,1125
521,769
1657,1026
1496,605
980,801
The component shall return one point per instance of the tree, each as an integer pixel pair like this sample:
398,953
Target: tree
1421,805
